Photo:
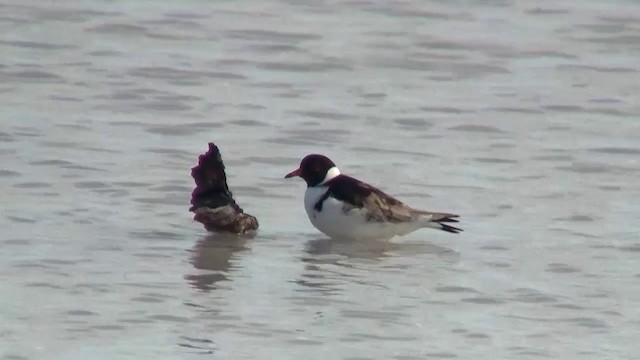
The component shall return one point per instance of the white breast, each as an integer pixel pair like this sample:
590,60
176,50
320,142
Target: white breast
334,222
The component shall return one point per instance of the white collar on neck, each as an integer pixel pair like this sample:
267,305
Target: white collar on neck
331,173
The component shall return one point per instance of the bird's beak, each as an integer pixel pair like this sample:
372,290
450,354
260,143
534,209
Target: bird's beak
295,172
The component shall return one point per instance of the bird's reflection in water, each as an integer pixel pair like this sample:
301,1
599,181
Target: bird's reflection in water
371,250
214,253
332,251
329,263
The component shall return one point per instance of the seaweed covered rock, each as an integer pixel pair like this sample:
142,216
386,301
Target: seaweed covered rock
212,201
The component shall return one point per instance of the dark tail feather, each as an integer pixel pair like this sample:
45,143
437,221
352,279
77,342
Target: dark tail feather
438,221
449,228
448,219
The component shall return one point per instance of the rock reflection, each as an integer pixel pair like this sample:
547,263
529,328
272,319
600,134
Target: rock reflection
214,254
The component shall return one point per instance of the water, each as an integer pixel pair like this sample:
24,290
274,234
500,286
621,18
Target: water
523,118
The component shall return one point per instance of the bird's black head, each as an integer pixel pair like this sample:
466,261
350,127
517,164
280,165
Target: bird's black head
315,169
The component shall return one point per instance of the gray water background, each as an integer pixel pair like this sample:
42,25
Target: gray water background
523,117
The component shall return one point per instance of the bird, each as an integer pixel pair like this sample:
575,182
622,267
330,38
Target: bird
343,207
212,202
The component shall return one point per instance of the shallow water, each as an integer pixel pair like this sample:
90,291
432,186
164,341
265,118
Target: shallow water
521,118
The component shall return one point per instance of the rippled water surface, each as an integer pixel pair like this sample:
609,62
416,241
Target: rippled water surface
523,117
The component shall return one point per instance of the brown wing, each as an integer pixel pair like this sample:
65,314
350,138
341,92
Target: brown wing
379,206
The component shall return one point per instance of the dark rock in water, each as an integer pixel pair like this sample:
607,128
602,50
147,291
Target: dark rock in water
212,201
